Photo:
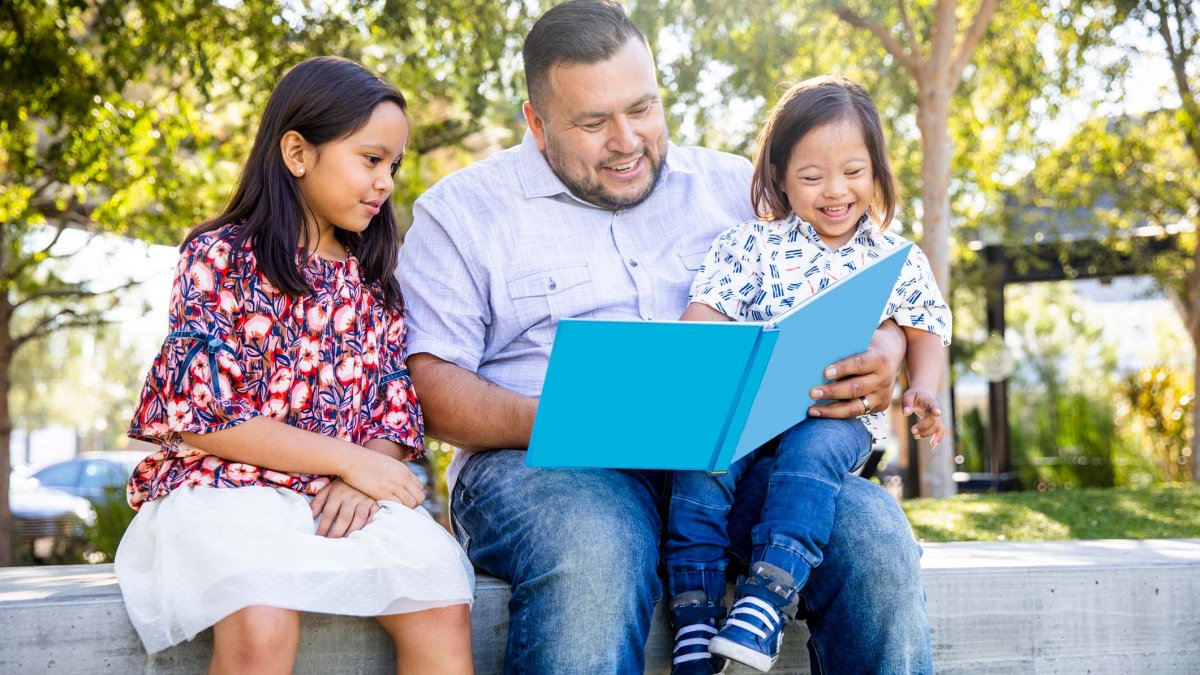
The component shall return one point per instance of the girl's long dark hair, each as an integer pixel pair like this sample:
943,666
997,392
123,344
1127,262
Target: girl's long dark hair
324,99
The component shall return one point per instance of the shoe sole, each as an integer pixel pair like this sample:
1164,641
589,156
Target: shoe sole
741,653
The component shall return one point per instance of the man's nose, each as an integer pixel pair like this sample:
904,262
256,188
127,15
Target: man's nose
624,138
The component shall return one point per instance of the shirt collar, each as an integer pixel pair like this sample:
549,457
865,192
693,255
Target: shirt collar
866,230
539,180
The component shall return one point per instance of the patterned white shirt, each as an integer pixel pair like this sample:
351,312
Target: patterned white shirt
761,269
500,251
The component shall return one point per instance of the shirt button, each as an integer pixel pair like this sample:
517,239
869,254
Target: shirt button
633,263
552,285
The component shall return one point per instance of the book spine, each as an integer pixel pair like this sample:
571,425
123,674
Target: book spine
756,365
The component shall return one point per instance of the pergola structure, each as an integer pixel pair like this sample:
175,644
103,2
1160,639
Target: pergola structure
1059,260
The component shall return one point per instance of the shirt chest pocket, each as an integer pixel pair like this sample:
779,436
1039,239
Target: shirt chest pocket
692,261
540,299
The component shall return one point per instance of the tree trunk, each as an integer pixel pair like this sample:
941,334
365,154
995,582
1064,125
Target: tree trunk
7,526
933,115
1192,315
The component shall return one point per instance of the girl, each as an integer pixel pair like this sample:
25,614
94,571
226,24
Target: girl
825,194
283,408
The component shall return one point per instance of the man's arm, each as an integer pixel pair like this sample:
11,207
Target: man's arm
466,410
871,374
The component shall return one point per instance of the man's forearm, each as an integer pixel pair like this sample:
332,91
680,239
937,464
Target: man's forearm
468,411
890,342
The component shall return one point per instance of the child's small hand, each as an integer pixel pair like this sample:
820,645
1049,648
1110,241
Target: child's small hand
342,509
924,405
382,477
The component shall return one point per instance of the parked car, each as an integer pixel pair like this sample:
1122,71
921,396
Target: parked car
49,524
91,475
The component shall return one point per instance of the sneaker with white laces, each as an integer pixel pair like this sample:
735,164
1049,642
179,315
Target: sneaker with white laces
763,604
694,618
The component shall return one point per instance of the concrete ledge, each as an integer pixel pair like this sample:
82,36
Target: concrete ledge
1064,607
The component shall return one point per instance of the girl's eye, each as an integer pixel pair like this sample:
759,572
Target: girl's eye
373,160
854,172
395,167
810,179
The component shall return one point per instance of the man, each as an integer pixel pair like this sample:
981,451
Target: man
597,214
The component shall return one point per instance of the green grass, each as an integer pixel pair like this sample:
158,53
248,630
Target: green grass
1165,511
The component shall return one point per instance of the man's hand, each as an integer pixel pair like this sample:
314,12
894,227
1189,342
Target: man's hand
342,509
870,375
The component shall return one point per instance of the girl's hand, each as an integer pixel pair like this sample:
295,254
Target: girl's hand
342,509
924,404
382,477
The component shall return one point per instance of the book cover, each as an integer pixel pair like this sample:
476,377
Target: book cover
697,395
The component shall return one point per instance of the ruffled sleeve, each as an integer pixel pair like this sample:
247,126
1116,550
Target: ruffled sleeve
396,415
916,301
726,280
198,382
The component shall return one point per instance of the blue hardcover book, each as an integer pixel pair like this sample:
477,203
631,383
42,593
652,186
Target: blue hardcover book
690,395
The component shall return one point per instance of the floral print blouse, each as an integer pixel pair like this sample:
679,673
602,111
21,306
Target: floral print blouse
331,362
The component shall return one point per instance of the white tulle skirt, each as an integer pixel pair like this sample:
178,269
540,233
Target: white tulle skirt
199,554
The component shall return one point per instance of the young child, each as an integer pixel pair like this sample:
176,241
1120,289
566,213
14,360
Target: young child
283,408
824,189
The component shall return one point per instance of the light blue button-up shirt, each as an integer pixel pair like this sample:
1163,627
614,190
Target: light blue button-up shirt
500,251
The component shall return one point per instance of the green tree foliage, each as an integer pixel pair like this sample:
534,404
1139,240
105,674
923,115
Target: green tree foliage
131,117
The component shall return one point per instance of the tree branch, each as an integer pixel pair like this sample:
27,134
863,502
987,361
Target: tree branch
50,323
44,251
908,61
943,35
971,39
72,293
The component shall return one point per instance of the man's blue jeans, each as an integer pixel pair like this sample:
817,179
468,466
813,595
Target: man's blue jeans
580,548
811,462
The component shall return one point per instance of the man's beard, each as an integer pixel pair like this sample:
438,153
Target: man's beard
594,192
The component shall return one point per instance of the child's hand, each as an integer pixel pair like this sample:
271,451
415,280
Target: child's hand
382,477
924,404
342,509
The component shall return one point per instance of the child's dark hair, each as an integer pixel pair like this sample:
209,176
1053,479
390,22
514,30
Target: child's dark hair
806,106
324,99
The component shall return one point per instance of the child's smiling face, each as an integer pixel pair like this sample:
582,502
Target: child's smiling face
347,182
829,181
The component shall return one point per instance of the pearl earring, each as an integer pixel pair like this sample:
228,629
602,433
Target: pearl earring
299,172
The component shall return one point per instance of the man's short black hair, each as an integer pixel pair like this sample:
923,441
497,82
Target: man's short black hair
576,31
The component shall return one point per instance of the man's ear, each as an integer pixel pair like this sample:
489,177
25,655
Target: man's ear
537,124
297,153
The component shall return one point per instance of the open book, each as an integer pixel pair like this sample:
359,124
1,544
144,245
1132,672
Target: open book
690,395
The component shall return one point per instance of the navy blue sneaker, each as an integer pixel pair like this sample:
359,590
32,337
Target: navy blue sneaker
694,618
763,604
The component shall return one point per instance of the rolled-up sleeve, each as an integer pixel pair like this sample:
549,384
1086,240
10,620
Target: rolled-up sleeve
916,300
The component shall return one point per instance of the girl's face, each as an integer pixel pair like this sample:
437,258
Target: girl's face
348,181
829,181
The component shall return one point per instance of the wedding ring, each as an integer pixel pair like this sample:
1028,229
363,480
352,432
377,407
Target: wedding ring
866,404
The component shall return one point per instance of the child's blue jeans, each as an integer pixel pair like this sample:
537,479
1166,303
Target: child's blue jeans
812,460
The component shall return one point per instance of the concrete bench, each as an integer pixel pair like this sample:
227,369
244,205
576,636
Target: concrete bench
1118,606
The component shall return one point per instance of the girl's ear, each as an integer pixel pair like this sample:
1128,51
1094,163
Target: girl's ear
296,152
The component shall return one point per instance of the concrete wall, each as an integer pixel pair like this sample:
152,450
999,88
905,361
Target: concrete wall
1060,607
